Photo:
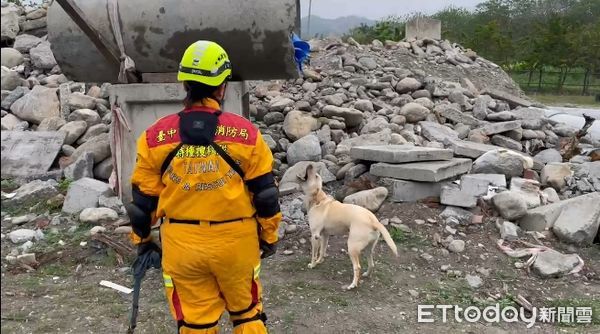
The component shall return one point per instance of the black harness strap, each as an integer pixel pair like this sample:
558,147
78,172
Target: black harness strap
182,323
169,158
228,159
259,316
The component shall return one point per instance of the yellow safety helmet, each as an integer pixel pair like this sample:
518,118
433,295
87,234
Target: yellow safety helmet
205,62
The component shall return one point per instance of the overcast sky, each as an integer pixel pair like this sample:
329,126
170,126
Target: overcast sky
375,9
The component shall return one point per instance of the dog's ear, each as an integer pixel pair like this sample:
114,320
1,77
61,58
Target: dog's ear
304,175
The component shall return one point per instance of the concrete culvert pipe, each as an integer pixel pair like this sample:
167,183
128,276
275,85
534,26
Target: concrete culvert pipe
255,33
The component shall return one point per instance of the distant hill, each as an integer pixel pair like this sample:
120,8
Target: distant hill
327,27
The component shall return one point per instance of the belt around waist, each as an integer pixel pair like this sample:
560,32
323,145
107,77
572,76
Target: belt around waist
198,222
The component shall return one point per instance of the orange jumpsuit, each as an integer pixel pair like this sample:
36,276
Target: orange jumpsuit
209,238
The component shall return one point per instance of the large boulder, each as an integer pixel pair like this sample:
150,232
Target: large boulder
31,193
11,122
38,105
414,112
579,221
51,124
553,264
78,100
9,24
555,175
548,156
82,167
408,85
352,117
73,131
11,57
369,199
306,148
437,132
279,103
96,216
90,116
510,205
84,193
93,131
99,146
298,124
42,56
14,95
377,124
10,79
103,169
25,42
499,162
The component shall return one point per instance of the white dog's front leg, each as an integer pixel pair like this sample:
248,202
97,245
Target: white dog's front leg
315,243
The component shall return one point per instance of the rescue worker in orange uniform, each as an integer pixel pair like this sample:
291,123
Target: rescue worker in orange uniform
208,173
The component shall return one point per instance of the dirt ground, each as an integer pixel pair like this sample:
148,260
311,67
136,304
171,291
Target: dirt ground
64,296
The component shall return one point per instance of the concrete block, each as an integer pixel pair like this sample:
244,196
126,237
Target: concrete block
399,153
84,193
494,128
514,101
432,171
544,217
528,189
26,153
478,184
453,195
410,191
423,27
579,221
471,187
457,116
470,149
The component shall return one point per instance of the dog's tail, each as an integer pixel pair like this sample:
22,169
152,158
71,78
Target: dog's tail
386,236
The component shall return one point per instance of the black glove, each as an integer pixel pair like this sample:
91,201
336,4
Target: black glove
267,249
140,220
146,247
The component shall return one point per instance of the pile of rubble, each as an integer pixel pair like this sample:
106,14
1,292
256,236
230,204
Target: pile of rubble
421,120
37,97
379,115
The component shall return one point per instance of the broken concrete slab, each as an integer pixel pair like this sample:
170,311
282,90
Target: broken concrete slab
544,217
513,101
453,195
471,187
528,189
553,264
411,191
578,222
470,149
399,153
84,193
29,153
457,116
555,175
463,216
369,199
431,171
31,193
478,184
499,127
434,131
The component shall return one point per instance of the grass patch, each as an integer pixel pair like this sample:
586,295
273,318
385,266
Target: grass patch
458,292
398,235
561,100
578,302
64,185
55,269
406,239
8,185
